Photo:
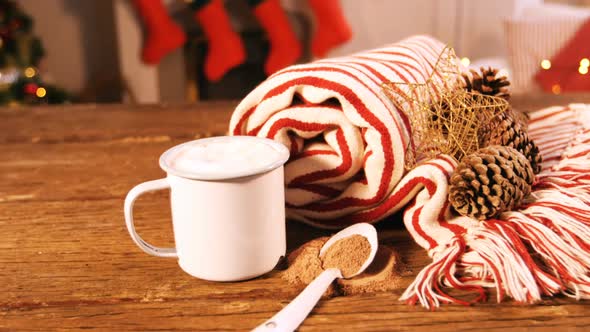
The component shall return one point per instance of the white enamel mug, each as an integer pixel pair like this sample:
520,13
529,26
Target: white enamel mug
229,225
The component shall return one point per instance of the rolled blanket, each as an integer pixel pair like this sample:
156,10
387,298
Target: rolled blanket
347,140
348,145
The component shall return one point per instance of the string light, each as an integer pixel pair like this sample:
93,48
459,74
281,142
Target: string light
556,89
30,72
545,64
584,62
41,92
465,61
583,70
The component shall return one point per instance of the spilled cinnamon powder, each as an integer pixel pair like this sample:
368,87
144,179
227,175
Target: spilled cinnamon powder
347,254
381,275
305,263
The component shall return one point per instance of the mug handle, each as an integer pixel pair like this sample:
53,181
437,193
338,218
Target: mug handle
133,194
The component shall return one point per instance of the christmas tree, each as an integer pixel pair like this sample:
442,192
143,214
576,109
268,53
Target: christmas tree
21,57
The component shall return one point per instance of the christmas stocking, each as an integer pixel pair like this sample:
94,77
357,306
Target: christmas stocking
163,35
285,49
331,27
226,49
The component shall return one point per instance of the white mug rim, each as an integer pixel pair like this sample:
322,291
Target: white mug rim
233,174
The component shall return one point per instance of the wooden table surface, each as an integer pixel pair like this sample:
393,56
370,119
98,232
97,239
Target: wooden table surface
68,262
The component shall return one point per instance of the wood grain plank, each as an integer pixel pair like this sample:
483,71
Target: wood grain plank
86,247
87,123
367,313
90,122
77,171
69,264
98,278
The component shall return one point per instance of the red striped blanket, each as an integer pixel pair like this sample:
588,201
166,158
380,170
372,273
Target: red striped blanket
347,140
348,143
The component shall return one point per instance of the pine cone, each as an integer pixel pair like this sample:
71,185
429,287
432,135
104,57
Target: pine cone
487,82
509,132
522,118
490,181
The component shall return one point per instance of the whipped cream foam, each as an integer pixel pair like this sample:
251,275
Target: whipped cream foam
224,157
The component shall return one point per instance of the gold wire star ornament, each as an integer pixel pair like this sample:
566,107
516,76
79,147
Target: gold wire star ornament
444,118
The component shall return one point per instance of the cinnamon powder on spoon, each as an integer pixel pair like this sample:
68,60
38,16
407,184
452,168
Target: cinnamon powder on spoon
382,275
347,254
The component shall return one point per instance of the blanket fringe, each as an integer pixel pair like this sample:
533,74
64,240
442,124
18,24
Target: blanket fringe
426,287
490,255
542,249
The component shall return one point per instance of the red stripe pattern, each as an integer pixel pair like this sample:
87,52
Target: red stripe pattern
553,226
347,140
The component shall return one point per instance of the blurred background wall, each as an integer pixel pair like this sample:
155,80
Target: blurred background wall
79,38
92,46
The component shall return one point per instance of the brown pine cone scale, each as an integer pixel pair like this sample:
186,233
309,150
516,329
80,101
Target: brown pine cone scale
490,181
487,82
509,132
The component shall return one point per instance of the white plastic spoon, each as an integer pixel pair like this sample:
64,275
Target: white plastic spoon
291,316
